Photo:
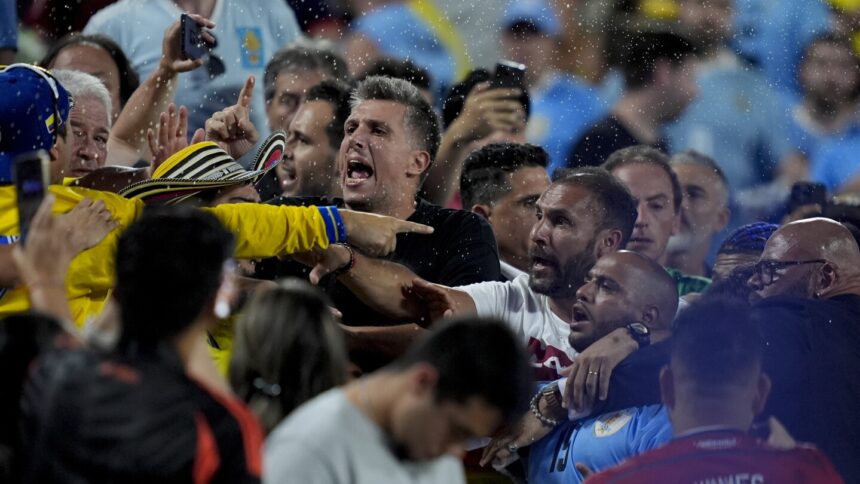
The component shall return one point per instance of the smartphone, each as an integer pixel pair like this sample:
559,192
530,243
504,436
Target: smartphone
193,45
30,173
509,74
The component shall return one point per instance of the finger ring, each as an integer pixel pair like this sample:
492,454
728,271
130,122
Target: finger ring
592,372
512,448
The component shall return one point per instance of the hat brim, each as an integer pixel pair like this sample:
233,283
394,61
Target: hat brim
168,191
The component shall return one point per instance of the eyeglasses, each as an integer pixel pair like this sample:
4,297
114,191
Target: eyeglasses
766,270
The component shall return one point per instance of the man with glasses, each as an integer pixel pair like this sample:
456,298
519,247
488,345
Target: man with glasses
807,281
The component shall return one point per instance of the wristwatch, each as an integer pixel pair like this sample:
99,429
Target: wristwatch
640,333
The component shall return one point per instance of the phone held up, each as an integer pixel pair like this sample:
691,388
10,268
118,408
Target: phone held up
30,173
509,74
194,46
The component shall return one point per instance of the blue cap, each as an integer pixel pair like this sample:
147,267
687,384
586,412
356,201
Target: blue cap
749,238
539,13
32,106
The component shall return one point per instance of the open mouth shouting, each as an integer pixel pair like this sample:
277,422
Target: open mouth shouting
357,171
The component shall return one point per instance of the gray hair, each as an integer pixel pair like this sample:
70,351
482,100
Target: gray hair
305,55
420,117
81,85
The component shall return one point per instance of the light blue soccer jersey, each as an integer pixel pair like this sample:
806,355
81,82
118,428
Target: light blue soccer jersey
599,443
563,108
249,32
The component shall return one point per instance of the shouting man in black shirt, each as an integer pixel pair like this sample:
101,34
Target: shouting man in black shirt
389,142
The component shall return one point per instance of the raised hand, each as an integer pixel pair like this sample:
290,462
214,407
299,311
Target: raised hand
489,109
170,136
376,235
171,47
231,127
85,225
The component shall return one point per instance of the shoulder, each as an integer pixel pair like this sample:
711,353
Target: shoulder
447,218
114,14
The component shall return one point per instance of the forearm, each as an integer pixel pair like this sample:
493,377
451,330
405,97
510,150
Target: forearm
50,298
270,231
127,142
389,341
443,180
380,284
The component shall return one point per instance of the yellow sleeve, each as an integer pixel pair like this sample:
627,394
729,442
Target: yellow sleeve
269,230
91,274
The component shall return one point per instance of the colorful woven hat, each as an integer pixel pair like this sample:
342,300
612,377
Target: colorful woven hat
204,166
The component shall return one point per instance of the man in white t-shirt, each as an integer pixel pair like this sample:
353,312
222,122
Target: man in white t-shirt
407,422
584,214
248,34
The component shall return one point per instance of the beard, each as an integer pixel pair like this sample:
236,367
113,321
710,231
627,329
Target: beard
565,279
799,288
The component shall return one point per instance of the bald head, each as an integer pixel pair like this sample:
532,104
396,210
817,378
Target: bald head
623,287
651,285
824,257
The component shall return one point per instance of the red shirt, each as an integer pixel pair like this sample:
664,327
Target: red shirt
722,456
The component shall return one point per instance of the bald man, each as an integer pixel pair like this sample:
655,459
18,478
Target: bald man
622,289
808,280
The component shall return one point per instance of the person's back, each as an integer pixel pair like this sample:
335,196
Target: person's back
722,456
812,354
134,414
115,419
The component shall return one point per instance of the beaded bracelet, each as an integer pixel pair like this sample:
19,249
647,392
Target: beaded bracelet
348,267
546,421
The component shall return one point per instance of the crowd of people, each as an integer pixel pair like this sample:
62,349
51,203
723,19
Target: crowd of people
421,241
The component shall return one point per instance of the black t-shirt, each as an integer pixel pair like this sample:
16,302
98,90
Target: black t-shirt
113,419
813,360
603,139
461,250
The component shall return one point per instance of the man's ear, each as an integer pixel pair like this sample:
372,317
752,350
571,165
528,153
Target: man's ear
419,163
649,317
482,210
722,220
825,280
608,241
423,377
667,387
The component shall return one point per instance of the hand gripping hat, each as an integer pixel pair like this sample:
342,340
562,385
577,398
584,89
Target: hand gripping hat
204,166
33,106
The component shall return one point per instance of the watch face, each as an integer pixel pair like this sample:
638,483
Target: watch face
639,328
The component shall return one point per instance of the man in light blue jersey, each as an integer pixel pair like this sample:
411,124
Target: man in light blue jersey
623,289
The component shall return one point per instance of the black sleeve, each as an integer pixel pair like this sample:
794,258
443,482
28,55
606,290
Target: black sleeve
636,380
591,150
469,250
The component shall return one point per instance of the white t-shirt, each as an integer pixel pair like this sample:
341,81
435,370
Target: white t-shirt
530,317
248,33
328,440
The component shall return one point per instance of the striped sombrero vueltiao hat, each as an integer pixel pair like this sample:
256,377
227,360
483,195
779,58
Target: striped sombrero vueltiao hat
204,166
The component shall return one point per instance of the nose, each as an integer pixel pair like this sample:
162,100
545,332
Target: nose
288,149
586,292
641,217
540,234
86,150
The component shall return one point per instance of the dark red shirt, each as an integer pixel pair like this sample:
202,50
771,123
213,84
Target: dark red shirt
723,456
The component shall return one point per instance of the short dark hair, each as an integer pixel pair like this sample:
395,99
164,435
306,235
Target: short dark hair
476,357
456,97
335,93
420,117
304,56
168,265
717,341
486,172
618,208
645,49
646,155
128,78
693,157
400,69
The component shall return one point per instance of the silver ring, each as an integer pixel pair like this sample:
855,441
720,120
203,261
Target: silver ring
593,372
512,448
